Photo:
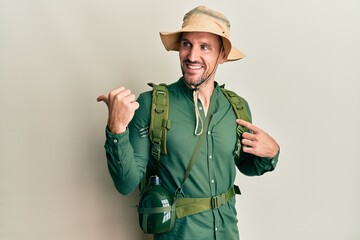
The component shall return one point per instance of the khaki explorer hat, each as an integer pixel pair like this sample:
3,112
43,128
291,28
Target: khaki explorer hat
203,19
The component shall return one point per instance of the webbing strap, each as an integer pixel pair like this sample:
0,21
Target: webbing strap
199,143
238,105
148,211
189,206
159,122
157,209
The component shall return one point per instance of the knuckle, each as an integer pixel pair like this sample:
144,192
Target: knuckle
132,96
127,92
118,97
112,94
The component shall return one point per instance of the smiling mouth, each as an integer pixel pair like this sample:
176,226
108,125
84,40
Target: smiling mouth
193,66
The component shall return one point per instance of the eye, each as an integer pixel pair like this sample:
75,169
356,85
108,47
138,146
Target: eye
185,44
205,47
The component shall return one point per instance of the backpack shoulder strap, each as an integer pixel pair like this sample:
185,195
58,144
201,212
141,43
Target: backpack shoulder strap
241,110
159,122
237,103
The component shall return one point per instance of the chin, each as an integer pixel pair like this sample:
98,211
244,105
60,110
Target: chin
192,80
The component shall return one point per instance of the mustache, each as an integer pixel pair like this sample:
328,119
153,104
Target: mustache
187,61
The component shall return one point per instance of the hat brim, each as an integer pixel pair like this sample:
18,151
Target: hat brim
171,42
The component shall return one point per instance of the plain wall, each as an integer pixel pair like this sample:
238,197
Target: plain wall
301,78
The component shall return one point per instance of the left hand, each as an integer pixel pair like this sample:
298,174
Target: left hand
258,142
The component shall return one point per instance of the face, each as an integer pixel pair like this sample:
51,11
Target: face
199,56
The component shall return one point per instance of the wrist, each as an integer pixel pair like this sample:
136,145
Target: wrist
117,129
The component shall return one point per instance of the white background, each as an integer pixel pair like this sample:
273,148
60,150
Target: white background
301,78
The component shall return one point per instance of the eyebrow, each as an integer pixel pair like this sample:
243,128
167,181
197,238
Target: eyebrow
201,42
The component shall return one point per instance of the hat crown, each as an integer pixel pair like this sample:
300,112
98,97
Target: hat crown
205,16
203,19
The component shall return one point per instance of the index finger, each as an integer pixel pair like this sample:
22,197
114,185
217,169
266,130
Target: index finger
248,125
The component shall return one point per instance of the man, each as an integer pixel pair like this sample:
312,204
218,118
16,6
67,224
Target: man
203,43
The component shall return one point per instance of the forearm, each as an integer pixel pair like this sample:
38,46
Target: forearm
125,170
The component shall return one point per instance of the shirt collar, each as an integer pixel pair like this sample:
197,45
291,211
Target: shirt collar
189,92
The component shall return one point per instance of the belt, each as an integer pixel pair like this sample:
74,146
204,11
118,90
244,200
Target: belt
189,206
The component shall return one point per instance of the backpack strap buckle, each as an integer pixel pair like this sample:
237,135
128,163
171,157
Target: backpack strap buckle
218,201
156,150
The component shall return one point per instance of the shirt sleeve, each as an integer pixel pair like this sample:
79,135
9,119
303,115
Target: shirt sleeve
128,153
252,165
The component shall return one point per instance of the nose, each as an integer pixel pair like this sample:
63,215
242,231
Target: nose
193,54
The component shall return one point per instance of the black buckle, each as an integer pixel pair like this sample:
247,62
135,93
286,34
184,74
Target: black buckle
155,150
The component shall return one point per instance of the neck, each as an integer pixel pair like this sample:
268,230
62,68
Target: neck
205,92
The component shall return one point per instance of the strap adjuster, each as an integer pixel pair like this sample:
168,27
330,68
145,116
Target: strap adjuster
218,201
155,150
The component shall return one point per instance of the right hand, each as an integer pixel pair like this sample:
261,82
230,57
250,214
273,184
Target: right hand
121,104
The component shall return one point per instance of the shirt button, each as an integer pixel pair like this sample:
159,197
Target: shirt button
115,140
215,228
200,108
210,157
208,132
212,181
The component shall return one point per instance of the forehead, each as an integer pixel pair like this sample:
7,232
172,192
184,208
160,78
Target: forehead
200,36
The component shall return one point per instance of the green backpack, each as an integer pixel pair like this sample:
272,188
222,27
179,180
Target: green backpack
151,215
160,123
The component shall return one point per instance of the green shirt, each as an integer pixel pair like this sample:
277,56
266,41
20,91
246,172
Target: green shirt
213,173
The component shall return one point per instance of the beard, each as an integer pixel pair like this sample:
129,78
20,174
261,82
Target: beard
194,81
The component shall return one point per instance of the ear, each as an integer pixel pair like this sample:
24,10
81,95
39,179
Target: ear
222,57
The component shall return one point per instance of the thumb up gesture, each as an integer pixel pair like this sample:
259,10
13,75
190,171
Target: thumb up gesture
122,105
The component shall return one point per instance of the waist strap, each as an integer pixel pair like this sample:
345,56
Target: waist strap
189,206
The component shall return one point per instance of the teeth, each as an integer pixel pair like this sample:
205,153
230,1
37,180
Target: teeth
194,67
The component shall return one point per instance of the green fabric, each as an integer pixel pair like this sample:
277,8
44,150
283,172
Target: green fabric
213,173
159,119
189,206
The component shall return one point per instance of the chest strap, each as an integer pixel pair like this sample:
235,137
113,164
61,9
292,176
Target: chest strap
189,206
